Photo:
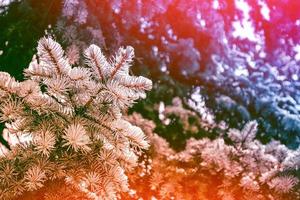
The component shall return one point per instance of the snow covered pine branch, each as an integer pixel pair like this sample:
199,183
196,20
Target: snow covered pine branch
73,117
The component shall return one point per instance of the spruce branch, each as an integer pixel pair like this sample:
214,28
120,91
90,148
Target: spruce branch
121,62
97,61
72,121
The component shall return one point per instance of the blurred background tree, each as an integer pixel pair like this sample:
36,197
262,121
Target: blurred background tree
22,24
